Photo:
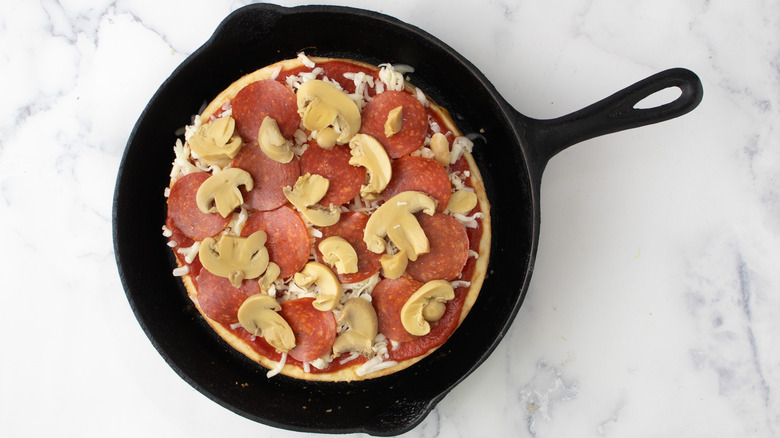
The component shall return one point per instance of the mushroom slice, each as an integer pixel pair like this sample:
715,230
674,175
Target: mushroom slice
258,315
462,201
394,265
220,192
322,216
304,195
216,143
327,137
441,149
394,122
321,105
337,252
368,152
308,190
235,258
395,219
272,143
426,305
271,275
326,280
360,317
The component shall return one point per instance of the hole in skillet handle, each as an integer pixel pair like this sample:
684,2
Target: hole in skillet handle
626,109
667,95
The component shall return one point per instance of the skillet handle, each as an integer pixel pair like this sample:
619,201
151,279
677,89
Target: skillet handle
615,113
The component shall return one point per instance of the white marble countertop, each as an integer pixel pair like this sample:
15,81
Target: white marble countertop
656,295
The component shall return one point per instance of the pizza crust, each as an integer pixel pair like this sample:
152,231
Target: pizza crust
348,373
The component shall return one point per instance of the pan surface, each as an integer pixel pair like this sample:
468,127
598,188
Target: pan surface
511,152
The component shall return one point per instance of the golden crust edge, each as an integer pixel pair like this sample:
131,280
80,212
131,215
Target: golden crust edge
348,374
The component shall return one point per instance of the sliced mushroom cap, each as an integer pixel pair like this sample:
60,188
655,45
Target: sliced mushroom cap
235,258
441,149
271,275
258,315
220,192
350,341
337,252
393,266
395,219
308,190
368,152
363,325
215,143
462,201
322,216
394,122
326,280
321,105
273,143
304,195
431,295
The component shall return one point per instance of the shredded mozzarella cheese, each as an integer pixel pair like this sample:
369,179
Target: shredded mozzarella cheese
278,368
322,362
424,152
305,60
237,222
418,93
468,221
351,357
182,164
434,125
392,78
275,73
190,253
191,129
361,289
373,365
459,145
379,361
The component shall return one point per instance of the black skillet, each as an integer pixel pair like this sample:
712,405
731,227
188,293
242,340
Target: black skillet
511,152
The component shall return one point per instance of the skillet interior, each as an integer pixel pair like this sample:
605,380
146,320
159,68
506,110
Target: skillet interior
253,37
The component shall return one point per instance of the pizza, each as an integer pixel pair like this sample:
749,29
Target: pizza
327,219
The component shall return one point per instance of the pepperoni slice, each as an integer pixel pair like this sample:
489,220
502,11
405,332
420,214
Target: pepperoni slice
288,239
345,179
182,241
420,174
269,176
449,249
219,299
260,99
388,297
183,209
413,129
314,330
350,226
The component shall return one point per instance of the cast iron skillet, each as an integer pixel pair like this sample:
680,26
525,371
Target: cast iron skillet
512,152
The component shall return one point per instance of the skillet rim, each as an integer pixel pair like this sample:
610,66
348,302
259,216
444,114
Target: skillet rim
422,407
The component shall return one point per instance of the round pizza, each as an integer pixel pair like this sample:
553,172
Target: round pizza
328,219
